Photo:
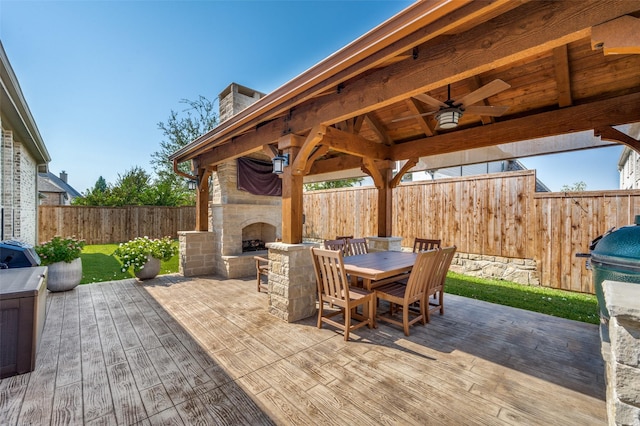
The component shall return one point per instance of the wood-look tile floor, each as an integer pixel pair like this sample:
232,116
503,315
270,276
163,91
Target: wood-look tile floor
206,351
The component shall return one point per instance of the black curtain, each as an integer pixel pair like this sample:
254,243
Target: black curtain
256,177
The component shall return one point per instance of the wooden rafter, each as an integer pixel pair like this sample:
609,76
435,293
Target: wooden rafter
417,109
378,128
563,80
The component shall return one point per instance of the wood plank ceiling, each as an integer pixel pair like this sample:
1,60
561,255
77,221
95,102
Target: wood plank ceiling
570,66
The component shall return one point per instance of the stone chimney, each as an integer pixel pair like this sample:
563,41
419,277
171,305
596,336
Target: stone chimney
63,176
234,99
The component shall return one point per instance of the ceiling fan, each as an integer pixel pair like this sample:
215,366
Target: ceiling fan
450,111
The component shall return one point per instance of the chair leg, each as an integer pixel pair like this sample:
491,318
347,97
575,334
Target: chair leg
320,303
405,318
347,323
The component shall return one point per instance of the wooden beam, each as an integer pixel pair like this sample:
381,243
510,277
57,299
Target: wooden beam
608,133
619,36
610,112
563,81
354,144
531,29
335,164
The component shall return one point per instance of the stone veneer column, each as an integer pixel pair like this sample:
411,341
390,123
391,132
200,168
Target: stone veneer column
621,352
384,243
196,253
292,282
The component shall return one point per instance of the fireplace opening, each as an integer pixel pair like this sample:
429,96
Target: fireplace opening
253,245
256,235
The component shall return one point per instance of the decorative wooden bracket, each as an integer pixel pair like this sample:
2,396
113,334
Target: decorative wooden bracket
610,134
369,167
270,151
319,152
398,177
316,135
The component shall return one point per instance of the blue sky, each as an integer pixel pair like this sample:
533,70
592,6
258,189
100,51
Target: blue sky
100,75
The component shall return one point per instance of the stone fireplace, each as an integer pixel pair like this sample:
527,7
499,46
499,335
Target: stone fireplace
241,222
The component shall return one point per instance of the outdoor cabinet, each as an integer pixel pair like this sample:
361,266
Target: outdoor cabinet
23,293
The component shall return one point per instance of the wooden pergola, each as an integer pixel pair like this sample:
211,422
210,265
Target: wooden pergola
569,66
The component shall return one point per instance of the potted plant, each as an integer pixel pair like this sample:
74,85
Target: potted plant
144,254
62,258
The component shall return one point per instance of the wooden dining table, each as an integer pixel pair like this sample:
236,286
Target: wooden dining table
376,267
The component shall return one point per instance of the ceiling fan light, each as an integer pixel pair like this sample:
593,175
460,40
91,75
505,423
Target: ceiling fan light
448,118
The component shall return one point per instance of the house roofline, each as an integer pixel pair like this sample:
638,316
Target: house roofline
16,111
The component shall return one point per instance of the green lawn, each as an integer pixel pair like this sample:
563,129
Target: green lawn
99,264
559,303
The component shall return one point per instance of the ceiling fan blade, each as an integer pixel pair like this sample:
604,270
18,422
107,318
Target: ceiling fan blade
413,116
489,89
430,101
487,110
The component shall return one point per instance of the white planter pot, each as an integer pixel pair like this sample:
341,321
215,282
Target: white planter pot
150,270
63,276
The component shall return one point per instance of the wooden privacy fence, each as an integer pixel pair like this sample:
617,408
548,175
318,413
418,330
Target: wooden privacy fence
494,215
103,225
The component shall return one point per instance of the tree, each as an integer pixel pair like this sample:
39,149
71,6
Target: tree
99,195
179,131
332,184
576,187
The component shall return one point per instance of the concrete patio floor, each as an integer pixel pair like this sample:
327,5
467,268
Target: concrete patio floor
177,350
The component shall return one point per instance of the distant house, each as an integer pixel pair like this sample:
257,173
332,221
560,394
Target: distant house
476,169
629,163
22,155
54,190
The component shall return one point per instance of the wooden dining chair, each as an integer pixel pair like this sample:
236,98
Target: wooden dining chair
357,246
262,270
436,283
334,289
338,244
423,244
400,295
344,237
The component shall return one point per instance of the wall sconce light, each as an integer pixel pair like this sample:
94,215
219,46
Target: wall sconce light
192,185
448,118
279,162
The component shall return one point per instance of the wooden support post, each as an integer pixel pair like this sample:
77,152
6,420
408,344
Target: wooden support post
385,203
382,174
202,200
291,192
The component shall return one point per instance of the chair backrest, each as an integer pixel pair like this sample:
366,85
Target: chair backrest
332,281
423,244
339,244
345,237
421,274
440,273
357,246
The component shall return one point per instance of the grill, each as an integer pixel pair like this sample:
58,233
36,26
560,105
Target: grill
15,254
